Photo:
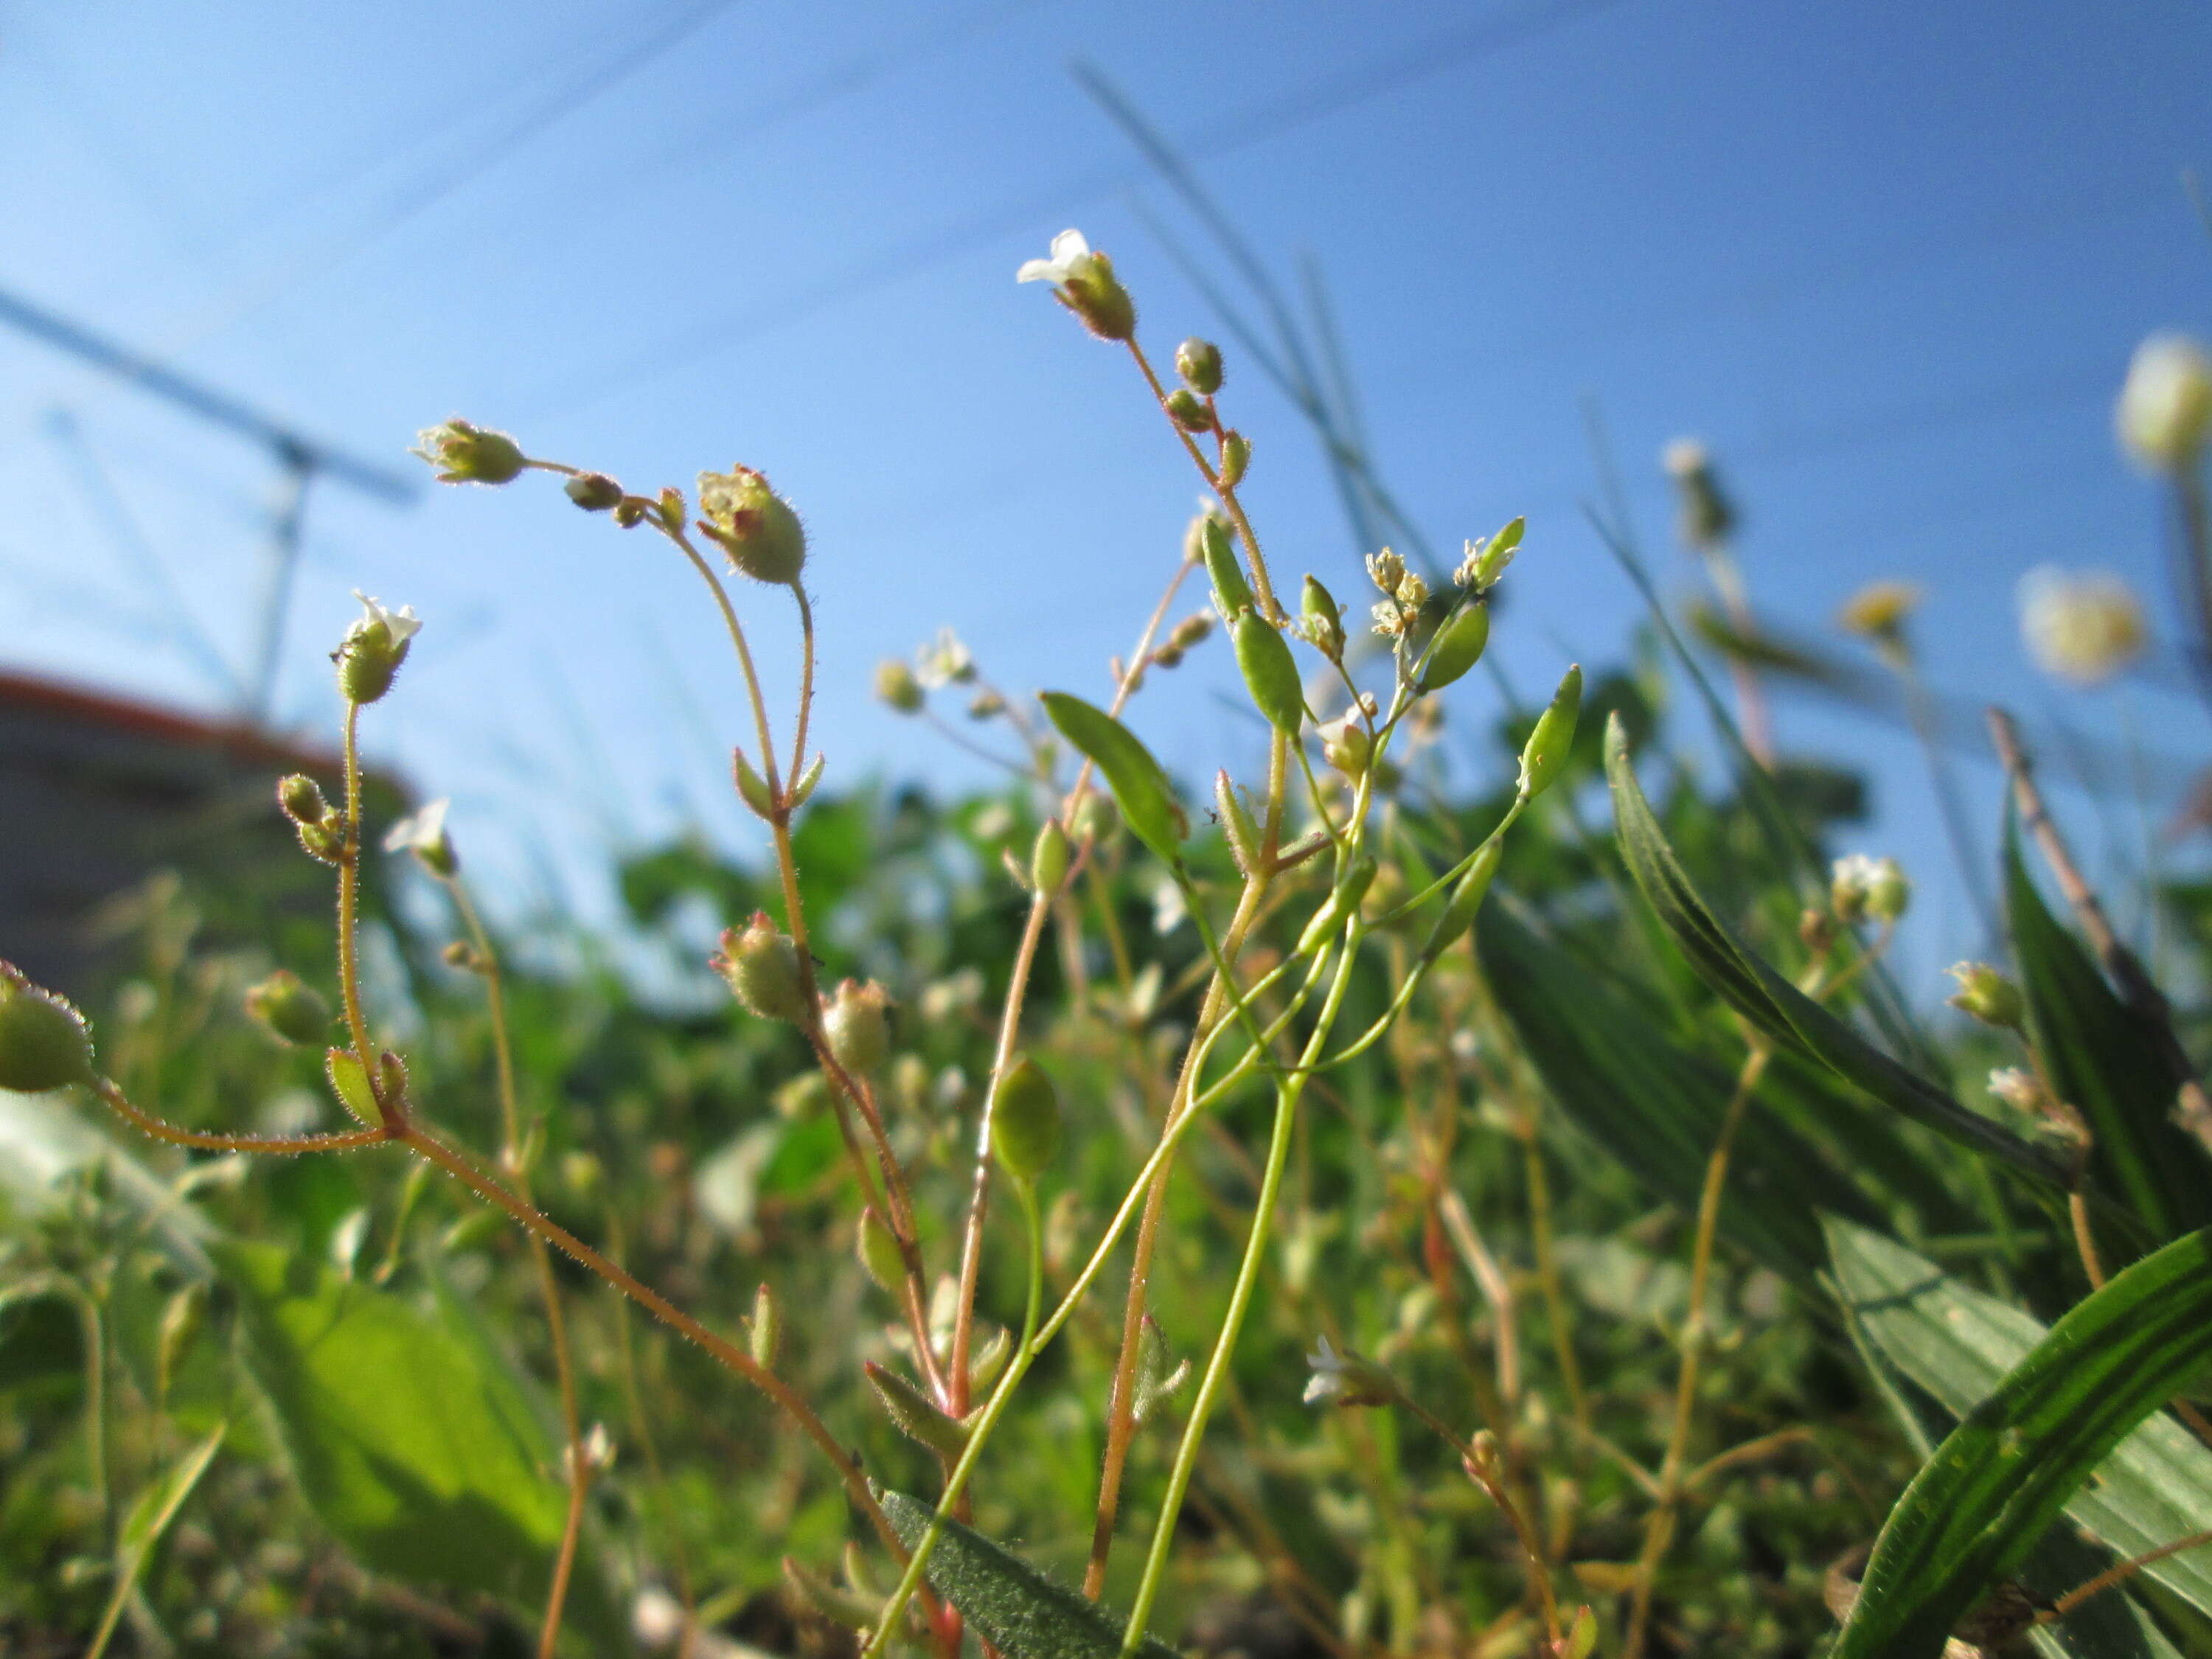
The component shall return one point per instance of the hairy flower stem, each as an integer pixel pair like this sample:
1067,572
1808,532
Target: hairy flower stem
349,895
487,962
1660,1531
1263,587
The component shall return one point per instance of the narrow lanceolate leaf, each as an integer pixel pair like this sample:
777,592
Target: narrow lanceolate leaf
1776,1006
1141,788
2106,1061
2067,1405
1657,1109
1012,1606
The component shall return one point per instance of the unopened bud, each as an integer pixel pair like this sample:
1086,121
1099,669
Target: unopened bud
879,1252
1346,745
1236,458
752,524
1187,410
1706,516
752,788
630,511
1191,630
761,966
44,1041
857,1027
292,1010
1988,995
914,1413
302,798
1547,746
1324,618
764,1331
594,492
1198,363
897,685
1048,859
1238,826
471,455
1025,1119
1231,593
2164,412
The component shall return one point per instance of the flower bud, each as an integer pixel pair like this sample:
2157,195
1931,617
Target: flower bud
1486,561
1324,618
1863,889
1187,410
1888,892
2083,626
1547,746
1879,611
44,1041
294,1010
1236,458
2164,411
856,1027
1025,1119
302,798
1198,363
764,1330
1988,995
1706,516
879,1253
1271,675
1231,593
752,524
594,492
897,685
1048,859
1458,647
752,788
372,649
471,455
1097,819
914,1413
761,966
630,511
1191,630
1346,745
1238,826
1387,571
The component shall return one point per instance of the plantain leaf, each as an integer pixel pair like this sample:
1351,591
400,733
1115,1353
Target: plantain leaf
2040,1413
1776,1006
413,1448
2105,1060
1657,1107
1012,1606
1141,788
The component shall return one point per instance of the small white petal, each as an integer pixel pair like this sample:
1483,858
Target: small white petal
1069,247
1038,271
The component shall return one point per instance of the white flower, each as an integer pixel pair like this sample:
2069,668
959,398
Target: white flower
945,662
1346,1379
402,624
1864,887
2083,626
2164,411
423,834
1072,261
1170,908
2017,1088
1685,457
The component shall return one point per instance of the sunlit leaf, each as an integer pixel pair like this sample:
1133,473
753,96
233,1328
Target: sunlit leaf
1141,788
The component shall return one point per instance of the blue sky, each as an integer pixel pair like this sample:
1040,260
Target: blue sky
1887,260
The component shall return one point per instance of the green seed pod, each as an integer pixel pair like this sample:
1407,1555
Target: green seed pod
1341,904
1545,752
1271,674
897,685
1025,1119
914,1413
1198,363
762,967
1324,619
1097,818
752,788
1466,900
1188,411
44,1041
1497,553
764,1330
1458,647
1231,593
879,1252
302,798
1048,858
292,1010
471,455
594,492
752,524
1238,826
1236,458
856,1027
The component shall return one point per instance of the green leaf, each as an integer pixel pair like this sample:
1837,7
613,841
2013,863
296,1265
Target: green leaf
1776,1006
1141,788
2040,1413
1656,1108
410,1443
1012,1606
149,1517
2105,1060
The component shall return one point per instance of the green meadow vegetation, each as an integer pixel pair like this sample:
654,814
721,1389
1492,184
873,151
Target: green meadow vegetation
1378,1204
